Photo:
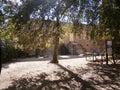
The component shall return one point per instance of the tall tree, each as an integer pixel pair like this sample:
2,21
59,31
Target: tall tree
55,10
5,25
109,20
44,10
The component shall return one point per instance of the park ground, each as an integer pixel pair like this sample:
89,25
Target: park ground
72,73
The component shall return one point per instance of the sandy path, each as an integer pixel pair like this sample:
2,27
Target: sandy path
72,73
34,66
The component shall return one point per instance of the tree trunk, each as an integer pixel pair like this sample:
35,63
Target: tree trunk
106,54
0,65
106,58
113,59
56,40
55,53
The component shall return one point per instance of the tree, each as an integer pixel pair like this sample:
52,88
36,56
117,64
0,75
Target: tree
40,10
109,20
7,10
55,10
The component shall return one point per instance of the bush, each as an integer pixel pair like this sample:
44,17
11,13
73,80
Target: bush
7,52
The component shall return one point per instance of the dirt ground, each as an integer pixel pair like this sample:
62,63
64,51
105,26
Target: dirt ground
72,73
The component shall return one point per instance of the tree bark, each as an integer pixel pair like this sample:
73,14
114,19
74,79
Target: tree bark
113,59
0,65
55,53
56,39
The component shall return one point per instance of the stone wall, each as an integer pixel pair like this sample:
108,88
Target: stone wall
77,45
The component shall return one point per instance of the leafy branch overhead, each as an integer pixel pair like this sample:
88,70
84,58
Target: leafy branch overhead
42,23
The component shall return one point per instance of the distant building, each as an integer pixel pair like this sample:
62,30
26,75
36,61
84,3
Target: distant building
80,45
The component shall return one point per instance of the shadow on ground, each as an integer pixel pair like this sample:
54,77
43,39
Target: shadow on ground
102,77
106,77
39,59
47,58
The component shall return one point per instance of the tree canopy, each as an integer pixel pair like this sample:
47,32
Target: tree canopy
37,21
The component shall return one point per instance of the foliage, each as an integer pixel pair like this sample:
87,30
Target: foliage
41,23
109,19
110,24
7,33
7,43
35,34
8,51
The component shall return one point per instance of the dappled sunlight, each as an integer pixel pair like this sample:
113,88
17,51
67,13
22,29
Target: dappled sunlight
93,77
70,74
63,79
60,44
64,56
74,62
